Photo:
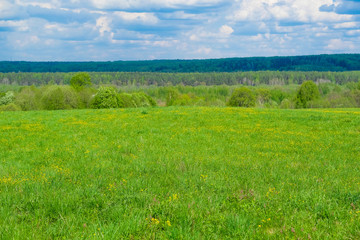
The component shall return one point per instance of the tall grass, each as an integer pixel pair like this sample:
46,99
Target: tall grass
180,173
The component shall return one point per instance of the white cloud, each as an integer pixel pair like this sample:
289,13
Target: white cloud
204,50
185,16
347,25
21,25
103,24
135,4
353,32
30,41
250,11
226,30
209,35
194,37
258,37
4,7
142,29
9,10
165,44
339,44
44,4
144,18
291,11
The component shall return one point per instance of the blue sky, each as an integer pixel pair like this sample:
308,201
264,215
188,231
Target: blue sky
107,30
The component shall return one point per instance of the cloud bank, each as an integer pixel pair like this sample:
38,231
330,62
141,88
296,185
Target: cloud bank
102,30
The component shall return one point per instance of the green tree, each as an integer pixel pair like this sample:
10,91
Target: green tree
242,97
80,80
8,98
10,107
172,95
59,97
307,92
71,97
143,100
324,88
263,95
106,97
134,100
85,97
278,95
29,99
125,100
53,99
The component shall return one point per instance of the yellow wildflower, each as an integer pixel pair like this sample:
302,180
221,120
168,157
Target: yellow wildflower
155,221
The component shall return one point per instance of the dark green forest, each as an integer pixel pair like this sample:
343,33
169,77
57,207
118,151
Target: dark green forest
334,63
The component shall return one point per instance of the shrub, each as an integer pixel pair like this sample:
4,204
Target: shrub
139,99
242,97
324,88
106,97
355,94
308,91
183,100
71,97
85,97
152,102
338,100
174,98
53,99
59,97
278,95
222,91
8,98
80,80
263,96
29,99
125,100
172,95
271,104
287,104
319,103
337,89
352,85
10,107
143,100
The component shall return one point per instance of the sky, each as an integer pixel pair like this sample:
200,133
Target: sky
109,30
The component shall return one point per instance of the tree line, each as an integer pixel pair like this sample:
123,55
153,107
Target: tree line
252,78
333,62
81,93
78,95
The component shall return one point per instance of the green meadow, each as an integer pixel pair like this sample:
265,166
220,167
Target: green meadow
180,173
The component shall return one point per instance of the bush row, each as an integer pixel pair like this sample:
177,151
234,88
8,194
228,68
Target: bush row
107,97
308,95
66,97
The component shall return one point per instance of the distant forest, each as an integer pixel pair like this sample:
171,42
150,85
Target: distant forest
321,63
251,78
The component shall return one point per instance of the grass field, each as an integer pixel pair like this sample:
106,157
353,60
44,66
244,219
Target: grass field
180,173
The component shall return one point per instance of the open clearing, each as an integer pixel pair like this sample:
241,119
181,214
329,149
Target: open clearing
182,173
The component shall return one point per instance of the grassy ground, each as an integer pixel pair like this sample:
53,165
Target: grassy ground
180,173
